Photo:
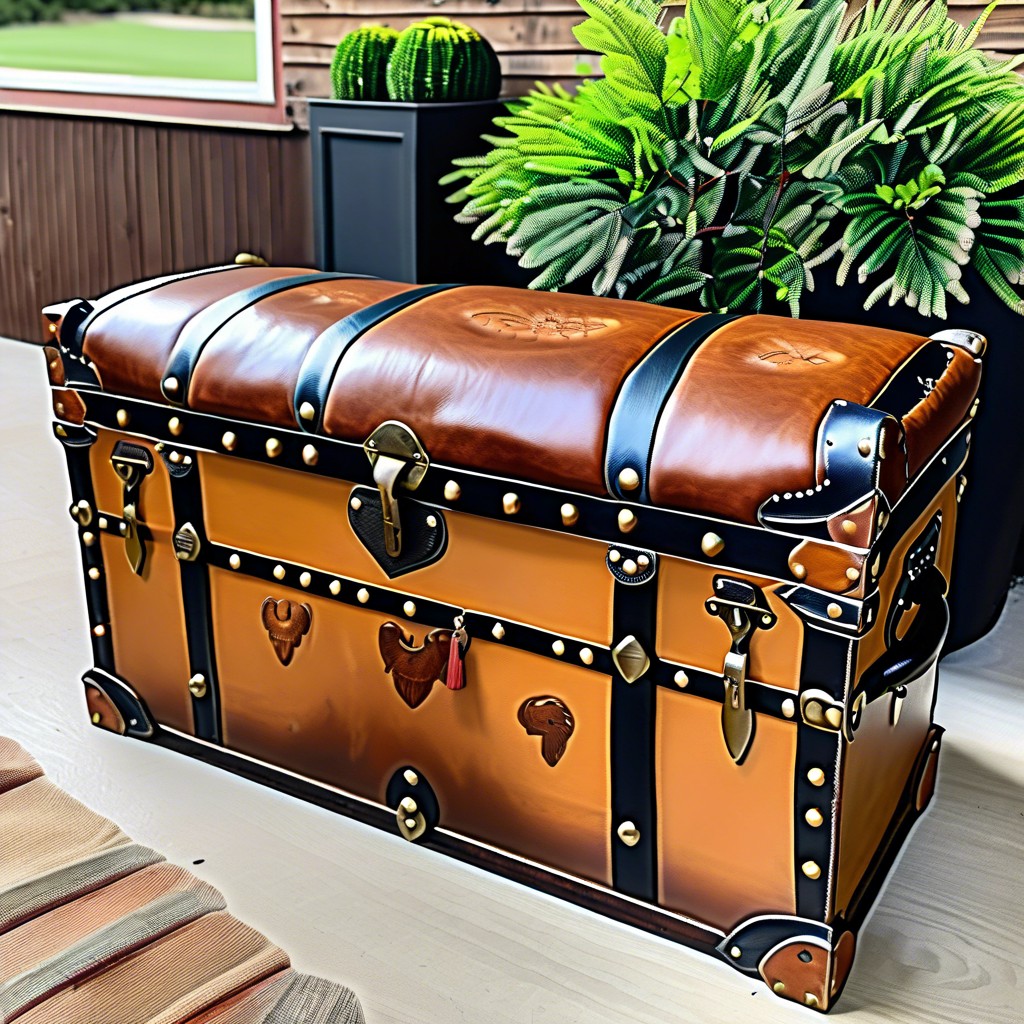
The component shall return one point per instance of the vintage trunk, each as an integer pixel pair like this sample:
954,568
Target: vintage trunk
683,575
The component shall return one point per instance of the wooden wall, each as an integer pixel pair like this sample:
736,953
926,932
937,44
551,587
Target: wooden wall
87,205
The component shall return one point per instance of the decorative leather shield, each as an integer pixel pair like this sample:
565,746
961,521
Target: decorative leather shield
286,624
414,669
550,718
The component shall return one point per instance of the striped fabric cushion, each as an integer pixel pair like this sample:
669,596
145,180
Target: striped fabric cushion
96,929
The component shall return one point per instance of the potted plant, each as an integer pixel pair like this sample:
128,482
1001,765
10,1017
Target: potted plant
405,104
758,150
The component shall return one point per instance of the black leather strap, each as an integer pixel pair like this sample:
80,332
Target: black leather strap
197,332
642,397
321,363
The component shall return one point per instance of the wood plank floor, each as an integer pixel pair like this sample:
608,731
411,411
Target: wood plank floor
426,941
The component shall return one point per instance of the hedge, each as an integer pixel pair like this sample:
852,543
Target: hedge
15,11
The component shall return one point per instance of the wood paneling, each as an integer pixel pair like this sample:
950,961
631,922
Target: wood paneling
87,205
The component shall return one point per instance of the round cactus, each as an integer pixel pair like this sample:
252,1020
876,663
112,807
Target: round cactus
438,60
359,68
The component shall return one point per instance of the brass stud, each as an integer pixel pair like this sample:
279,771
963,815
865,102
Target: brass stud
614,556
99,630
643,561
53,328
853,574
864,446
356,504
60,431
681,679
834,717
235,560
974,408
310,456
558,648
432,521
849,526
452,491
88,539
411,777
628,833
305,579
306,411
411,823
629,479
629,567
876,564
627,520
175,457
96,718
335,587
274,447
197,686
788,707
811,869
711,544
498,631
814,817
362,595
766,619
171,385
123,417
122,528
408,805
834,610
816,777
58,408
810,999
586,656
229,440
511,503
409,608
735,952
102,522
570,514
94,573
175,426
630,659
799,570
279,571
779,987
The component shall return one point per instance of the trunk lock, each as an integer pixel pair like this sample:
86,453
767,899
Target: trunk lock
398,460
132,463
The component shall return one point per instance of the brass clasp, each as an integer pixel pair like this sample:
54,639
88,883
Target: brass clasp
132,463
398,460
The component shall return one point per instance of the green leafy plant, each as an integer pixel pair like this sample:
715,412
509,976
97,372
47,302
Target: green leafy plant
442,60
359,68
754,142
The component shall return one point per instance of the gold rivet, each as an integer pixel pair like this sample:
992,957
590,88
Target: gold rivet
356,504
273,447
853,574
53,363
100,630
96,718
834,717
306,410
88,539
834,610
102,522
171,384
310,456
279,572
235,560
627,520
305,579
864,446
586,656
498,631
411,777
123,417
432,521
409,608
779,987
629,567
197,685
558,647
876,564
570,514
175,457
122,527
628,833
735,952
362,595
335,587
629,479
798,569
816,777
53,328
58,408
810,999
411,823
643,561
408,805
94,573
61,432
814,817
229,440
681,679
974,408
849,526
175,426
614,556
711,544
766,620
452,491
510,503
788,707
810,869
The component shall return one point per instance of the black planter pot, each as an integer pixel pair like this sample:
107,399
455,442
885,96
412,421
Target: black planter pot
377,205
991,517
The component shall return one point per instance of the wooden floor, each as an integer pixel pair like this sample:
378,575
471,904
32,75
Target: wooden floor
426,941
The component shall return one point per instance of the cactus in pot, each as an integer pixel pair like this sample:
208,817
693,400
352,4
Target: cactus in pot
359,68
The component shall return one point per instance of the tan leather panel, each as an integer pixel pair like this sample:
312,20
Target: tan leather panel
515,382
547,579
68,405
154,504
742,422
688,633
147,628
333,714
131,341
709,809
827,567
236,377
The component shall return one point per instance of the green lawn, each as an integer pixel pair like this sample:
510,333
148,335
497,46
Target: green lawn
109,46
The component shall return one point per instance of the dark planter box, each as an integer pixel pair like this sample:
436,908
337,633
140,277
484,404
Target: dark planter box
377,205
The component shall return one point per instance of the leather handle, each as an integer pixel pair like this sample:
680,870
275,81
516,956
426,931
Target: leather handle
909,658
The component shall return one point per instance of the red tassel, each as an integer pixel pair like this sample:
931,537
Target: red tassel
456,678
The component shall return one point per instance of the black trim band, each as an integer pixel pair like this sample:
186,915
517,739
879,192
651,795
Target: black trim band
642,397
320,364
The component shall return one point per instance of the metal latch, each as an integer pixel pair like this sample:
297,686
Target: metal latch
744,609
398,460
132,462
